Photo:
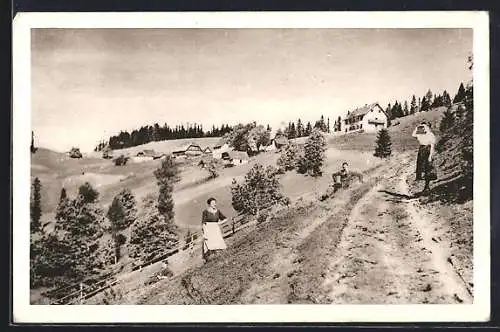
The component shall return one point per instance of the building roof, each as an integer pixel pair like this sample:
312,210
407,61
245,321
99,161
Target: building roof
238,155
207,149
363,110
185,147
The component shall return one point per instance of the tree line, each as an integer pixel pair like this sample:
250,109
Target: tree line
299,129
155,133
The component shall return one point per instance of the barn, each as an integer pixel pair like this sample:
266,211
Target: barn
369,118
238,157
189,150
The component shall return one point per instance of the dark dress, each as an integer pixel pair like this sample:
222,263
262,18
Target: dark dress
424,166
208,216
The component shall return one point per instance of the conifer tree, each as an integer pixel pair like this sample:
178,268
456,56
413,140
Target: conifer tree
413,105
152,234
166,176
447,121
300,128
406,111
383,144
308,129
460,96
36,205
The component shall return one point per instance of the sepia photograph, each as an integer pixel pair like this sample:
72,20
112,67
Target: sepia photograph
244,165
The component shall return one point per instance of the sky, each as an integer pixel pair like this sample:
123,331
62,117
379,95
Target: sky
88,84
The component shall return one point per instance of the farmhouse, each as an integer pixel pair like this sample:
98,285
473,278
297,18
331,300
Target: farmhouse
220,147
188,150
238,157
369,118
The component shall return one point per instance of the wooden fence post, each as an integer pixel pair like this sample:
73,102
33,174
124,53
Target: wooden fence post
232,224
81,293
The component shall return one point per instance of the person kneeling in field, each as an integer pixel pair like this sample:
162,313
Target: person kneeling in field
342,179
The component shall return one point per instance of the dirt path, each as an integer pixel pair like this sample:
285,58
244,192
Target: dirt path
389,253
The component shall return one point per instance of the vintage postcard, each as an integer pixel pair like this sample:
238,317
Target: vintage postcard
251,167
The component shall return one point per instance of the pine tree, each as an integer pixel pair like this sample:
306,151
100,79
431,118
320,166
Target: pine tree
308,129
446,99
460,96
339,124
152,234
36,205
292,133
406,111
62,206
314,153
300,128
116,216
447,121
166,176
383,148
413,105
425,105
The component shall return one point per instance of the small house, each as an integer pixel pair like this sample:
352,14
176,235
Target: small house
369,118
189,150
207,150
238,157
220,147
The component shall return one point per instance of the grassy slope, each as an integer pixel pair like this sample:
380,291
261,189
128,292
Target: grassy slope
255,249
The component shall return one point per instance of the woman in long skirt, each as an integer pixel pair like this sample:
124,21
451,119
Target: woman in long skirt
425,166
212,234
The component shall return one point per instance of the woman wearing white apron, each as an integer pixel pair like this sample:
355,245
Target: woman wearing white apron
212,234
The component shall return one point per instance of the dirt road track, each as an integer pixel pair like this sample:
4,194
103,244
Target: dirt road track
368,247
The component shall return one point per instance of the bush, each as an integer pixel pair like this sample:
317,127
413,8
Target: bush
288,159
259,190
121,160
88,193
314,154
213,166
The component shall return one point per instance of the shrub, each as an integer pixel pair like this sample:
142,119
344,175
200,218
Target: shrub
314,154
88,193
288,159
259,190
213,166
121,160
